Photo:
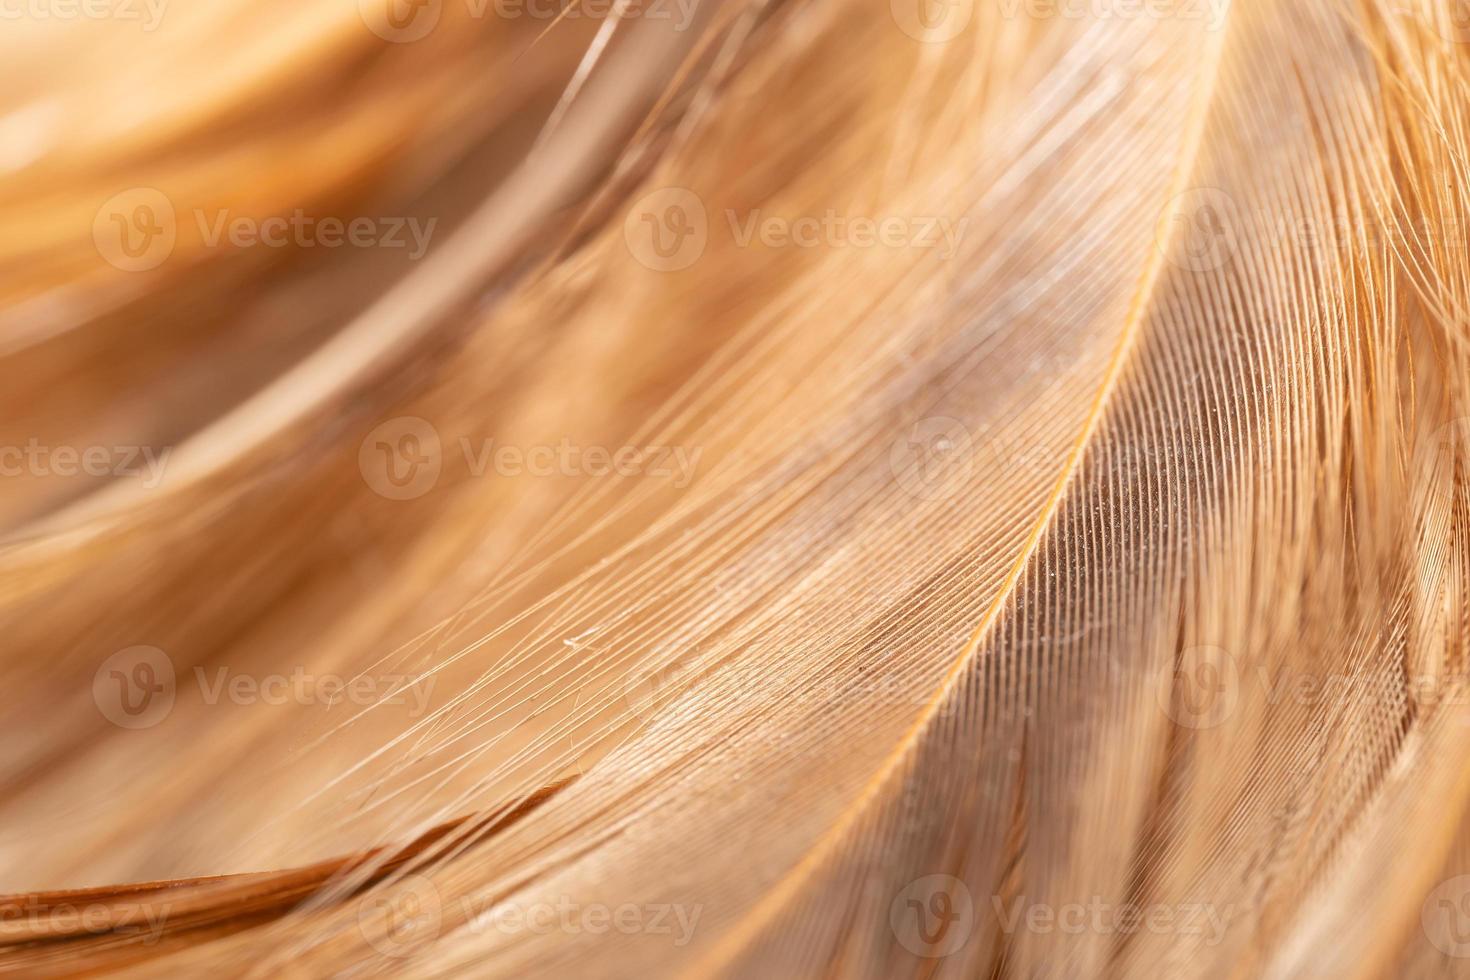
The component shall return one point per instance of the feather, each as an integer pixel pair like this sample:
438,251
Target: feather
970,493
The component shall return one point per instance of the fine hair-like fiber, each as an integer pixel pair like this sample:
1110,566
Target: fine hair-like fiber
770,488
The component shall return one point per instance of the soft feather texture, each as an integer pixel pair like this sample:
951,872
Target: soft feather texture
1113,559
